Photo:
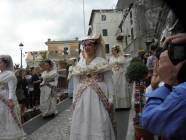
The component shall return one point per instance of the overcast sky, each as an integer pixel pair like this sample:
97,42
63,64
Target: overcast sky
32,22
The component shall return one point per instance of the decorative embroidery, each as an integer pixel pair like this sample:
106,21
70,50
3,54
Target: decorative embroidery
102,67
116,67
92,82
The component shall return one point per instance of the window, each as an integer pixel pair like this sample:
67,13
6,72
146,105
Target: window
132,34
130,14
104,31
103,18
107,50
66,51
126,41
131,20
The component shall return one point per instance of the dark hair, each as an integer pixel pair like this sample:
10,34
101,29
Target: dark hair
117,49
93,41
178,7
158,52
4,60
27,71
48,61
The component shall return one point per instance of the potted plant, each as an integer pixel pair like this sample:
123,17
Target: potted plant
136,72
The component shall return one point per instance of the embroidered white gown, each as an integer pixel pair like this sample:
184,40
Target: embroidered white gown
121,86
10,123
90,120
48,94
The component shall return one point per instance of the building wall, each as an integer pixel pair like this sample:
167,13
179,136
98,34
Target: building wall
33,58
113,18
122,4
145,17
56,52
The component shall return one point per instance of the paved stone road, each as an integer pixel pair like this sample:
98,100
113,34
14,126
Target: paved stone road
56,129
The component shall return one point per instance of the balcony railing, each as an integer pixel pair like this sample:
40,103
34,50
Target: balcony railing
120,36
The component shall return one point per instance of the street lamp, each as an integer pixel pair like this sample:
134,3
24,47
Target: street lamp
21,48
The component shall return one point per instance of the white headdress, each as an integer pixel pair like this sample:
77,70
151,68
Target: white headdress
8,60
100,49
117,47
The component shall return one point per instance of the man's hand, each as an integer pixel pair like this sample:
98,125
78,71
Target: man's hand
155,80
167,71
175,39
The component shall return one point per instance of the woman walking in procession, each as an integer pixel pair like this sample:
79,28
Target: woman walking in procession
48,86
121,86
93,95
10,119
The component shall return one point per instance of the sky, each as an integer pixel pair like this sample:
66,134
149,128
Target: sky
32,22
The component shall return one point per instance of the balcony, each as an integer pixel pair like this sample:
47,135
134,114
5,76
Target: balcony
120,36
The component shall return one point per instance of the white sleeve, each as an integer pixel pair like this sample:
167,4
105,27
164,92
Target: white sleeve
111,61
11,89
55,82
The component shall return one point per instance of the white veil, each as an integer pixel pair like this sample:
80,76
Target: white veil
100,48
8,60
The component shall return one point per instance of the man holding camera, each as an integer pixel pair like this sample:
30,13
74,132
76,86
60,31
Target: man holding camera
164,113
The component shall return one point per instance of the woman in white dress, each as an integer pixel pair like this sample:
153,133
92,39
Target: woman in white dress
93,95
70,80
48,92
121,92
10,119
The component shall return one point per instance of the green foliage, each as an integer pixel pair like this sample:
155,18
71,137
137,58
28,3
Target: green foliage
136,71
135,59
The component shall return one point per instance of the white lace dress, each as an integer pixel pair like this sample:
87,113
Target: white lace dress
121,86
48,94
10,122
91,120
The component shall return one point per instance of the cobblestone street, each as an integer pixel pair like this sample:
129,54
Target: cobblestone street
56,129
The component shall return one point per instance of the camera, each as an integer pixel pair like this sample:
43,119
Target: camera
177,53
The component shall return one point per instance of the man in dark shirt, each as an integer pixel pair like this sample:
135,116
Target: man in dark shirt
36,85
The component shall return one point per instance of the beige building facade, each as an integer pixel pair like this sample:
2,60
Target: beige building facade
62,52
33,58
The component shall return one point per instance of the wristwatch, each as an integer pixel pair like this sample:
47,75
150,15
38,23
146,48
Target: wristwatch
168,86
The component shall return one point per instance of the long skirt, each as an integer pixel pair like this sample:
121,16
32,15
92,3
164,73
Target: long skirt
121,91
90,120
47,101
10,128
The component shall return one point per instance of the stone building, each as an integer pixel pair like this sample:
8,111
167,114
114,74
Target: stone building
139,24
105,22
